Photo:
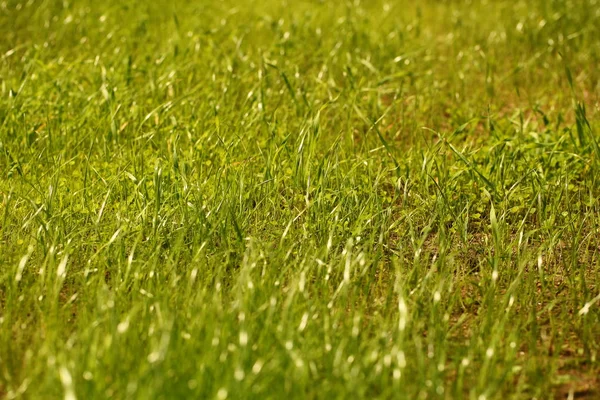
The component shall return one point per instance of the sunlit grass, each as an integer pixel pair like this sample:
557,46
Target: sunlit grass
299,199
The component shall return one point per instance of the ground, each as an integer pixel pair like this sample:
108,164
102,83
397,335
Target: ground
299,199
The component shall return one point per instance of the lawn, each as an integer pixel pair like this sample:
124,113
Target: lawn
299,199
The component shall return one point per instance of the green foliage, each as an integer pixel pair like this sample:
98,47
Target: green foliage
310,199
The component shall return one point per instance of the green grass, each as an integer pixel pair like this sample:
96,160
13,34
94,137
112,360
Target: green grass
299,199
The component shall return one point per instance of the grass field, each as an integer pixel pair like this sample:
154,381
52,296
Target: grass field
299,199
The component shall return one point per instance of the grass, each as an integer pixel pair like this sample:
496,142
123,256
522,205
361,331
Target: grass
307,199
